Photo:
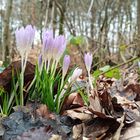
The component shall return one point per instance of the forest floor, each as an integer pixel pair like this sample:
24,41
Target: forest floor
112,113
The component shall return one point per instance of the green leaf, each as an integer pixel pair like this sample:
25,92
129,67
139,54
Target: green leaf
105,68
115,73
96,73
73,41
78,40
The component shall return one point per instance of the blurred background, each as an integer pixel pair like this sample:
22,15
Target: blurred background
110,29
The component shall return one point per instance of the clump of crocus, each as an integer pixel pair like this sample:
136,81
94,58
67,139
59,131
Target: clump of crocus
53,49
24,40
88,63
46,75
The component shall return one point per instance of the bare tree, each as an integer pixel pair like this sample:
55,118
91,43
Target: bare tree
138,24
6,32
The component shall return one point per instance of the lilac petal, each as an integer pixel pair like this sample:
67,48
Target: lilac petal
66,63
53,48
76,73
24,38
88,61
47,34
48,42
60,46
30,33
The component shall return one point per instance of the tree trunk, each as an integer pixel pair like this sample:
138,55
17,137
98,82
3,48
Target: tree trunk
138,24
6,32
47,14
62,18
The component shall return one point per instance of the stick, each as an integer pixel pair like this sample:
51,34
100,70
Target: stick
119,65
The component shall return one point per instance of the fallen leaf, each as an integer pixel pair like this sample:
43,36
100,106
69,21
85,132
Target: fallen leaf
74,100
44,112
77,132
132,132
95,101
78,113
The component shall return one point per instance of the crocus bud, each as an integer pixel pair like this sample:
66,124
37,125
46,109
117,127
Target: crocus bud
88,61
24,39
76,73
66,63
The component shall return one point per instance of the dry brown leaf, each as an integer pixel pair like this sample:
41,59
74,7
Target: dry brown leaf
100,127
55,137
124,101
132,133
95,102
6,75
77,132
78,113
74,100
132,91
44,112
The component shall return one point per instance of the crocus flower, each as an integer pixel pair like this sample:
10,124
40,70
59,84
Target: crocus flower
53,47
66,63
47,34
24,39
59,47
48,42
76,73
88,61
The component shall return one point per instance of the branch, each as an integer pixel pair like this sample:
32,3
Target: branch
119,65
91,4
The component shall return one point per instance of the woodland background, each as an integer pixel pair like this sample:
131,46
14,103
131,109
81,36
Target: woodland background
110,29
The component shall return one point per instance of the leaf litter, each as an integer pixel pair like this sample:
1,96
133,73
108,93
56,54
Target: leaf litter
113,112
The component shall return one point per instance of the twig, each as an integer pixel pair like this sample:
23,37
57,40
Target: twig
119,65
90,7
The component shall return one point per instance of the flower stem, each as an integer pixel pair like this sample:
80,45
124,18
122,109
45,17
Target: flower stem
54,69
62,82
21,88
90,81
31,84
21,80
48,66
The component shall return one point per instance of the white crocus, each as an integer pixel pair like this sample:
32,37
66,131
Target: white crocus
76,73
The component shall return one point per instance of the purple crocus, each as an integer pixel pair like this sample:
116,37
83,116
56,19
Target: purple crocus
66,63
47,34
24,39
48,42
53,47
88,61
59,47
